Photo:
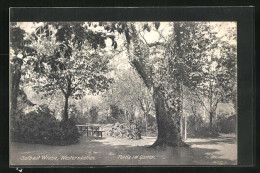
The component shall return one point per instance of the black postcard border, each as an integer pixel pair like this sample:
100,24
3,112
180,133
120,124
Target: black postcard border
244,16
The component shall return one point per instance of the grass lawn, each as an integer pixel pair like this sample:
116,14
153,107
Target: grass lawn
115,151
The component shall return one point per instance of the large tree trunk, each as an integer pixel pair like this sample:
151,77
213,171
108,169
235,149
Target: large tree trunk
210,121
66,114
210,108
67,95
185,127
181,126
146,124
182,113
15,81
168,125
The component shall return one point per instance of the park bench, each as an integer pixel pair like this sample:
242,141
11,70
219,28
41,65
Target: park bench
90,129
98,133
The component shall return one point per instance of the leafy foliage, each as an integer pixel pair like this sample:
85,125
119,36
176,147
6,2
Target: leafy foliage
66,59
17,37
18,51
73,111
69,58
93,112
117,114
40,126
151,129
196,127
128,92
190,56
125,130
74,57
225,124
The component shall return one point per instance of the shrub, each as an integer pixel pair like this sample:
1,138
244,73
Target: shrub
70,130
93,112
152,130
117,114
141,125
125,130
103,121
224,124
152,125
80,120
196,127
40,126
111,120
151,120
73,111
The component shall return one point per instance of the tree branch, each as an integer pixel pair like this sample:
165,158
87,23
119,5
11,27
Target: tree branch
201,101
143,38
156,44
62,90
140,69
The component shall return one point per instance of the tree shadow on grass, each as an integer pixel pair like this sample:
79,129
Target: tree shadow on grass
119,154
213,141
196,156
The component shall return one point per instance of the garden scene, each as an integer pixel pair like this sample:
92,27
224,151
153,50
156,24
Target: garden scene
123,93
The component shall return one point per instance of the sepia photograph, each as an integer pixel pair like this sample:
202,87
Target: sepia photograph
123,93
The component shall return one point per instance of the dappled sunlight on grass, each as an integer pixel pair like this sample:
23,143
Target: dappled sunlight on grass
117,151
145,141
225,146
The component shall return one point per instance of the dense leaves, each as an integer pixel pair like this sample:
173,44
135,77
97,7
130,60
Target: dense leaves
93,112
174,63
19,50
69,58
117,114
190,56
129,93
40,126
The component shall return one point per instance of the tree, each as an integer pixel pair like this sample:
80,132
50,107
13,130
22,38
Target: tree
217,79
200,53
70,58
19,50
129,93
93,112
166,64
116,113
73,111
156,79
192,110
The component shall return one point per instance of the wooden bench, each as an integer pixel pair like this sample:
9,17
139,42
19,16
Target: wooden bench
90,129
98,133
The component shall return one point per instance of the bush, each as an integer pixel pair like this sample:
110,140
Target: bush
117,114
152,130
126,130
81,120
73,111
93,112
103,121
224,124
152,125
70,130
141,125
40,126
111,120
196,127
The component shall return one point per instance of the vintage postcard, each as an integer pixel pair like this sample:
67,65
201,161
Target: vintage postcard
123,93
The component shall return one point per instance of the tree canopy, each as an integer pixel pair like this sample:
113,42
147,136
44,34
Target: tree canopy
69,58
165,58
